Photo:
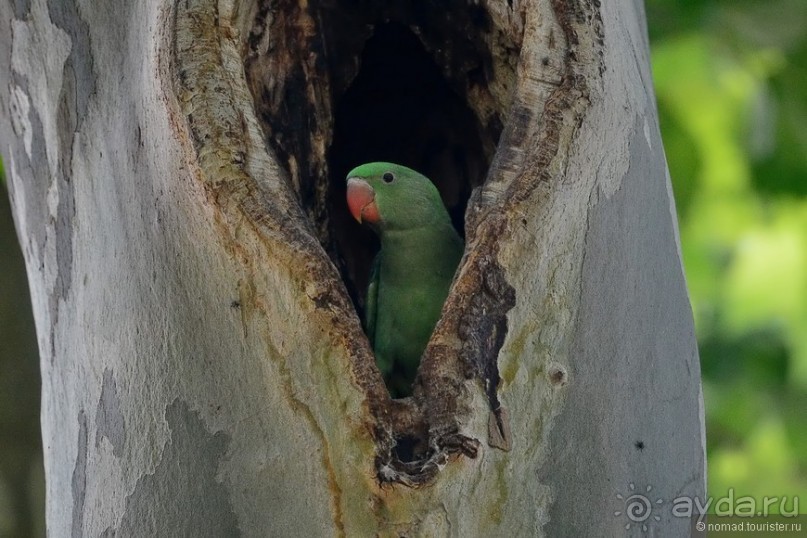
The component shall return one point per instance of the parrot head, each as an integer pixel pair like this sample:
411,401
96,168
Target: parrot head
389,196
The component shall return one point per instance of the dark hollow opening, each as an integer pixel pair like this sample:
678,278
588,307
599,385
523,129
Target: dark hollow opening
409,449
399,108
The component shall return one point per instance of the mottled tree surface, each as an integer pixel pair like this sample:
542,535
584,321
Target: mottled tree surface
176,172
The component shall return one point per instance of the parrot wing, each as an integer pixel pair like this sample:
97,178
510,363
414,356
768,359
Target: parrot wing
371,303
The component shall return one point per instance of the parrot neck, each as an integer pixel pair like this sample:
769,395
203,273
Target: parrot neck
434,247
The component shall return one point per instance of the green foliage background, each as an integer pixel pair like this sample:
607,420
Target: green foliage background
731,84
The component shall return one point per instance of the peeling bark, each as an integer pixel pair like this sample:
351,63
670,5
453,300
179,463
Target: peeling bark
177,176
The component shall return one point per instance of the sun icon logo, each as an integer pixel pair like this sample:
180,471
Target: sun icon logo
638,508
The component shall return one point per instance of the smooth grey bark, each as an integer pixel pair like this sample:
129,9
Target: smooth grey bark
204,372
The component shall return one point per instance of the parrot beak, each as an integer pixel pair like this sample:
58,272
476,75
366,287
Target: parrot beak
361,201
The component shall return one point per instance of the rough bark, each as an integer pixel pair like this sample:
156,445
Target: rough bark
176,174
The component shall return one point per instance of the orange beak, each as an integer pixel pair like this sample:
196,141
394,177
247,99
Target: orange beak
361,201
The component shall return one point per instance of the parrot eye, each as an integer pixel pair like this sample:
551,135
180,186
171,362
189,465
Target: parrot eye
388,177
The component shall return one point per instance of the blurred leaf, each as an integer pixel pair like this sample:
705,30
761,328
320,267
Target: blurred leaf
785,171
759,359
793,407
767,284
668,17
766,280
731,414
764,467
758,24
683,168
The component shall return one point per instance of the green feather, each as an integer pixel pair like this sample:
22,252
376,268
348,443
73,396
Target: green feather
371,302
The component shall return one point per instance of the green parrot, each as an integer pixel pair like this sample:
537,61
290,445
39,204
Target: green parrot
411,274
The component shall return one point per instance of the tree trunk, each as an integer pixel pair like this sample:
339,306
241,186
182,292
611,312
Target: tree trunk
177,177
